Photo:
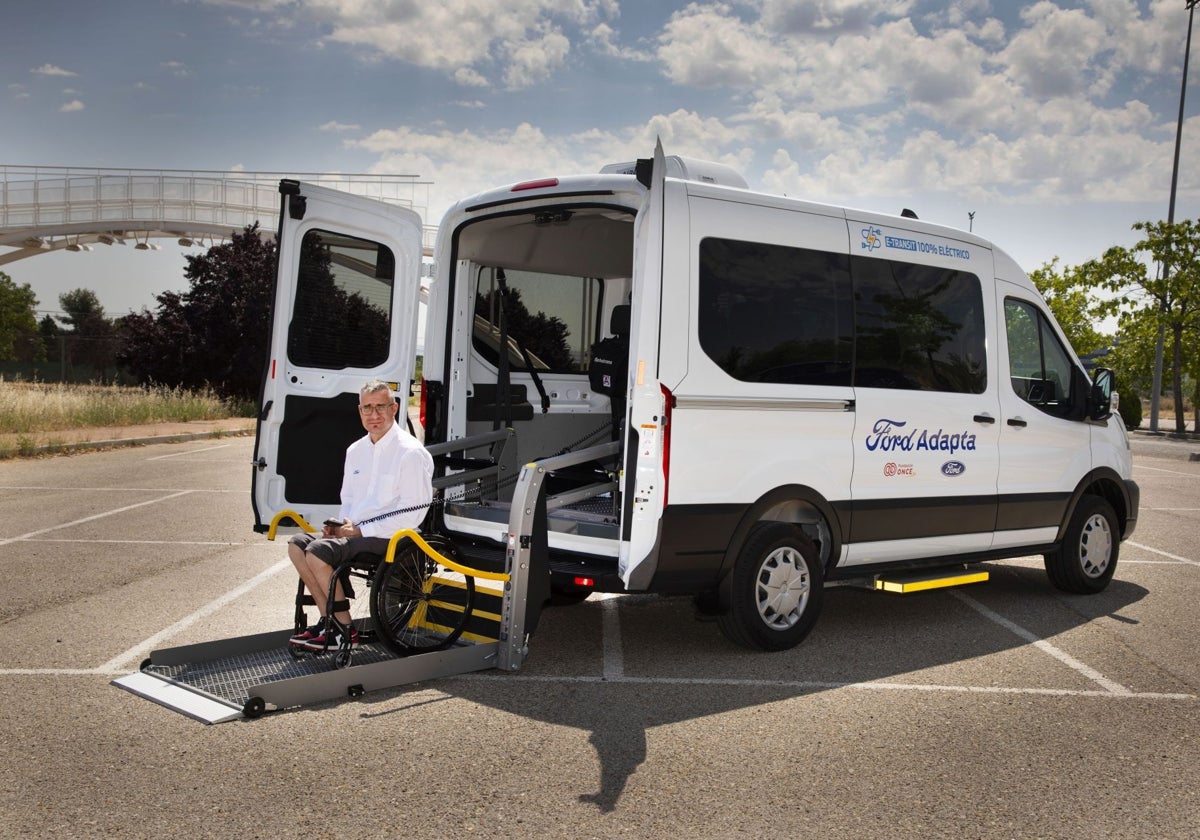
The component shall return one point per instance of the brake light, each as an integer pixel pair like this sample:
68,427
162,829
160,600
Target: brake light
536,185
668,404
588,582
421,413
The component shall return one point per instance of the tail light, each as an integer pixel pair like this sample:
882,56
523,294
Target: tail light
536,185
421,414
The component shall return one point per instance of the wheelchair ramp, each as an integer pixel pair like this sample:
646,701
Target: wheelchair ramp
258,679
247,676
181,698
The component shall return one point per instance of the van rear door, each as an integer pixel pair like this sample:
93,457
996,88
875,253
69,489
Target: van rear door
645,489
345,311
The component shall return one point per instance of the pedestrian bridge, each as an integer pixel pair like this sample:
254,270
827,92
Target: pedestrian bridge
45,209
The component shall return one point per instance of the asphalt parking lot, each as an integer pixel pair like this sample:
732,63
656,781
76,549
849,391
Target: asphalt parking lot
1003,709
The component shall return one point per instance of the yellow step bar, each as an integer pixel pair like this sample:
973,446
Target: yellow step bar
907,584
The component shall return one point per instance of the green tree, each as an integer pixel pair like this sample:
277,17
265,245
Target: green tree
92,339
1070,295
1170,297
215,334
19,338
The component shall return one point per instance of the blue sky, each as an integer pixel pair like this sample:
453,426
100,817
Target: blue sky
1054,121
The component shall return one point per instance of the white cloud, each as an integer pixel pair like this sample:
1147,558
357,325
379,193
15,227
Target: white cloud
531,60
474,42
824,17
177,68
461,163
1057,52
51,70
335,126
837,99
73,105
708,46
604,40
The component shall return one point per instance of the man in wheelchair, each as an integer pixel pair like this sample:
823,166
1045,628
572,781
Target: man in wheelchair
386,486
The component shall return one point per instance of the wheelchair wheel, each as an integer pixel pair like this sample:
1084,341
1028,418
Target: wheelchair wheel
418,605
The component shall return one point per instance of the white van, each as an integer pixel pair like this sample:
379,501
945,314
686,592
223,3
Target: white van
768,394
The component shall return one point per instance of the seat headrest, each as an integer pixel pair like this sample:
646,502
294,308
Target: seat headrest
618,322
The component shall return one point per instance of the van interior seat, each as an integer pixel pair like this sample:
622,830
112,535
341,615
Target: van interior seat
608,369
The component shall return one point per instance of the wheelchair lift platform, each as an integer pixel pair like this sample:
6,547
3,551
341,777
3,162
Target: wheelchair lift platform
215,682
224,680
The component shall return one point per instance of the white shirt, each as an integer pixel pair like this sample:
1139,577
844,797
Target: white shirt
394,473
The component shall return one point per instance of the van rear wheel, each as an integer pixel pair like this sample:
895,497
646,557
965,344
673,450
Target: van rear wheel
1087,558
776,589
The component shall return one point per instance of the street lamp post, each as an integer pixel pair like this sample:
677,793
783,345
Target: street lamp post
1158,345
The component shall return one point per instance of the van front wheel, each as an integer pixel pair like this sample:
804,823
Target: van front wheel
776,589
1085,561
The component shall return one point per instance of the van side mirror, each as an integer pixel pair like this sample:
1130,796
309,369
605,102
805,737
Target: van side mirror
1104,400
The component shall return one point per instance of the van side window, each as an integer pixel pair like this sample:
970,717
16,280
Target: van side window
1039,367
341,317
552,317
918,327
770,313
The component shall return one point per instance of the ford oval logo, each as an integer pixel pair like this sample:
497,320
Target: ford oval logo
953,468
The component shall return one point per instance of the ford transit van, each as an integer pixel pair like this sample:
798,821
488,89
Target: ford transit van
769,395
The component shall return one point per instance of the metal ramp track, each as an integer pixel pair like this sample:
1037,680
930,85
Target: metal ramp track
246,676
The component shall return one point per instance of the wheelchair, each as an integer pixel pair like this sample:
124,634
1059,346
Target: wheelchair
415,603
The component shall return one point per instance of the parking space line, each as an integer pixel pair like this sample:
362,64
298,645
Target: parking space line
1175,557
610,633
1044,646
122,660
143,542
79,489
1161,470
93,518
826,686
188,452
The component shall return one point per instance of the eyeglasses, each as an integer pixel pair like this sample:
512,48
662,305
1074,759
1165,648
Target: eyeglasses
376,408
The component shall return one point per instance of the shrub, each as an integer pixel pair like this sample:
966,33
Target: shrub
1131,402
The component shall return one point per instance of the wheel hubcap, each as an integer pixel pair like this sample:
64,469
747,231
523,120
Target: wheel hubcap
1095,546
783,588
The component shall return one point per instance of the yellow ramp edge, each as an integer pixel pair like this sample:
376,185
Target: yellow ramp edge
919,583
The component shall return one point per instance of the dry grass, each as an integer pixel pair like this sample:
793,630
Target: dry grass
36,408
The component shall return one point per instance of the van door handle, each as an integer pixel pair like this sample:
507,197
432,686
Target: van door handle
1018,422
984,418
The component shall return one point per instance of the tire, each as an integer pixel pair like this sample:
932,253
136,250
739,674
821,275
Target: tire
776,589
1087,558
417,605
254,708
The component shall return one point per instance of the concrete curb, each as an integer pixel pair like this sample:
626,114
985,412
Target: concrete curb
65,447
1165,445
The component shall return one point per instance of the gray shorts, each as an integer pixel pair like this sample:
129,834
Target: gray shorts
336,550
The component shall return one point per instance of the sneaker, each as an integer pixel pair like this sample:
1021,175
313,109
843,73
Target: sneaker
306,635
331,638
